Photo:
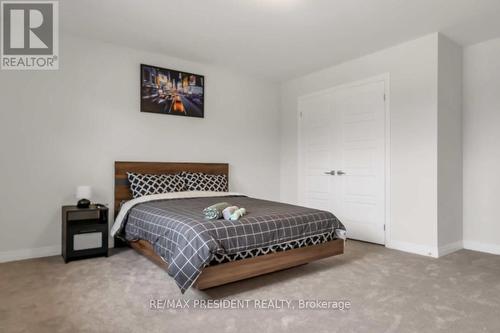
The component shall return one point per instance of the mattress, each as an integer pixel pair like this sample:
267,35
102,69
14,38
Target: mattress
181,235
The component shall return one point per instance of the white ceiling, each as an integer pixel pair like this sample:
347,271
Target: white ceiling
277,39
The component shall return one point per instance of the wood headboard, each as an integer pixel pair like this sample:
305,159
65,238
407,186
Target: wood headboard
122,188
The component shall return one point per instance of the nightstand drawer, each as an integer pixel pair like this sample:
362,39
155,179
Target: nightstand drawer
83,215
86,215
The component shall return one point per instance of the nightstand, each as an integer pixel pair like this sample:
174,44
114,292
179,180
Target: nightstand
84,232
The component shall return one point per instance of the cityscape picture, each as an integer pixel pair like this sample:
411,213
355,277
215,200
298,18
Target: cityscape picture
169,91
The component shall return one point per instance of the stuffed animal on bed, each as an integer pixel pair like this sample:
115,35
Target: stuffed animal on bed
237,214
228,211
233,213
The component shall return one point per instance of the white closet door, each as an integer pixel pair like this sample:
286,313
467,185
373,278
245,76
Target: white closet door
360,176
345,132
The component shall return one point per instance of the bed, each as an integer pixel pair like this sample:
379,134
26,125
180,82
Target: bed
171,231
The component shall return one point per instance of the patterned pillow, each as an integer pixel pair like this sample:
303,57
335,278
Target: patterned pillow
197,181
145,184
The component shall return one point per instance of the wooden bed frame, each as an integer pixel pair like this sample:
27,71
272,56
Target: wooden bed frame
220,274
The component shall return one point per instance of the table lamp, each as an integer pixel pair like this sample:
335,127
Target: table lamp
83,194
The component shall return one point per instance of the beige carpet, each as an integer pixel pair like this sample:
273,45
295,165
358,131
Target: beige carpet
390,291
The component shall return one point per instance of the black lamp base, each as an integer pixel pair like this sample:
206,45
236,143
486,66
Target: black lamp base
83,203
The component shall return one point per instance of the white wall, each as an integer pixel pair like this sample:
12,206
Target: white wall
449,146
413,106
65,128
60,129
481,147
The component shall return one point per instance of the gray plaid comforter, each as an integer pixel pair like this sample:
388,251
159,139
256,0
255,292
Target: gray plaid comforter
179,233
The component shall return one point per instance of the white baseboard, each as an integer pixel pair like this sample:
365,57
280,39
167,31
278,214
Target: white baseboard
423,250
450,248
482,247
22,254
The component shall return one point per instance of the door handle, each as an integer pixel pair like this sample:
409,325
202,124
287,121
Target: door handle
340,173
331,173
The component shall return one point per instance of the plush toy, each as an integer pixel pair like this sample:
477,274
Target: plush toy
227,212
235,216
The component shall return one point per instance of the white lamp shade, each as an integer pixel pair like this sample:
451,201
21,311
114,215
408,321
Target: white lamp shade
83,192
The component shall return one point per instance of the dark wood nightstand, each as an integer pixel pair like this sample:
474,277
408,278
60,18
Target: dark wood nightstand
84,232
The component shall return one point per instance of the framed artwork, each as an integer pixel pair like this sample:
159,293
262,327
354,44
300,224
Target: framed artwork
169,91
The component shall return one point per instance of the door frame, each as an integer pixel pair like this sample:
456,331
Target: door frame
387,191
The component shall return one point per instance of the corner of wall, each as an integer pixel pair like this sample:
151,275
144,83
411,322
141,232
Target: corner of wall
450,248
449,159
